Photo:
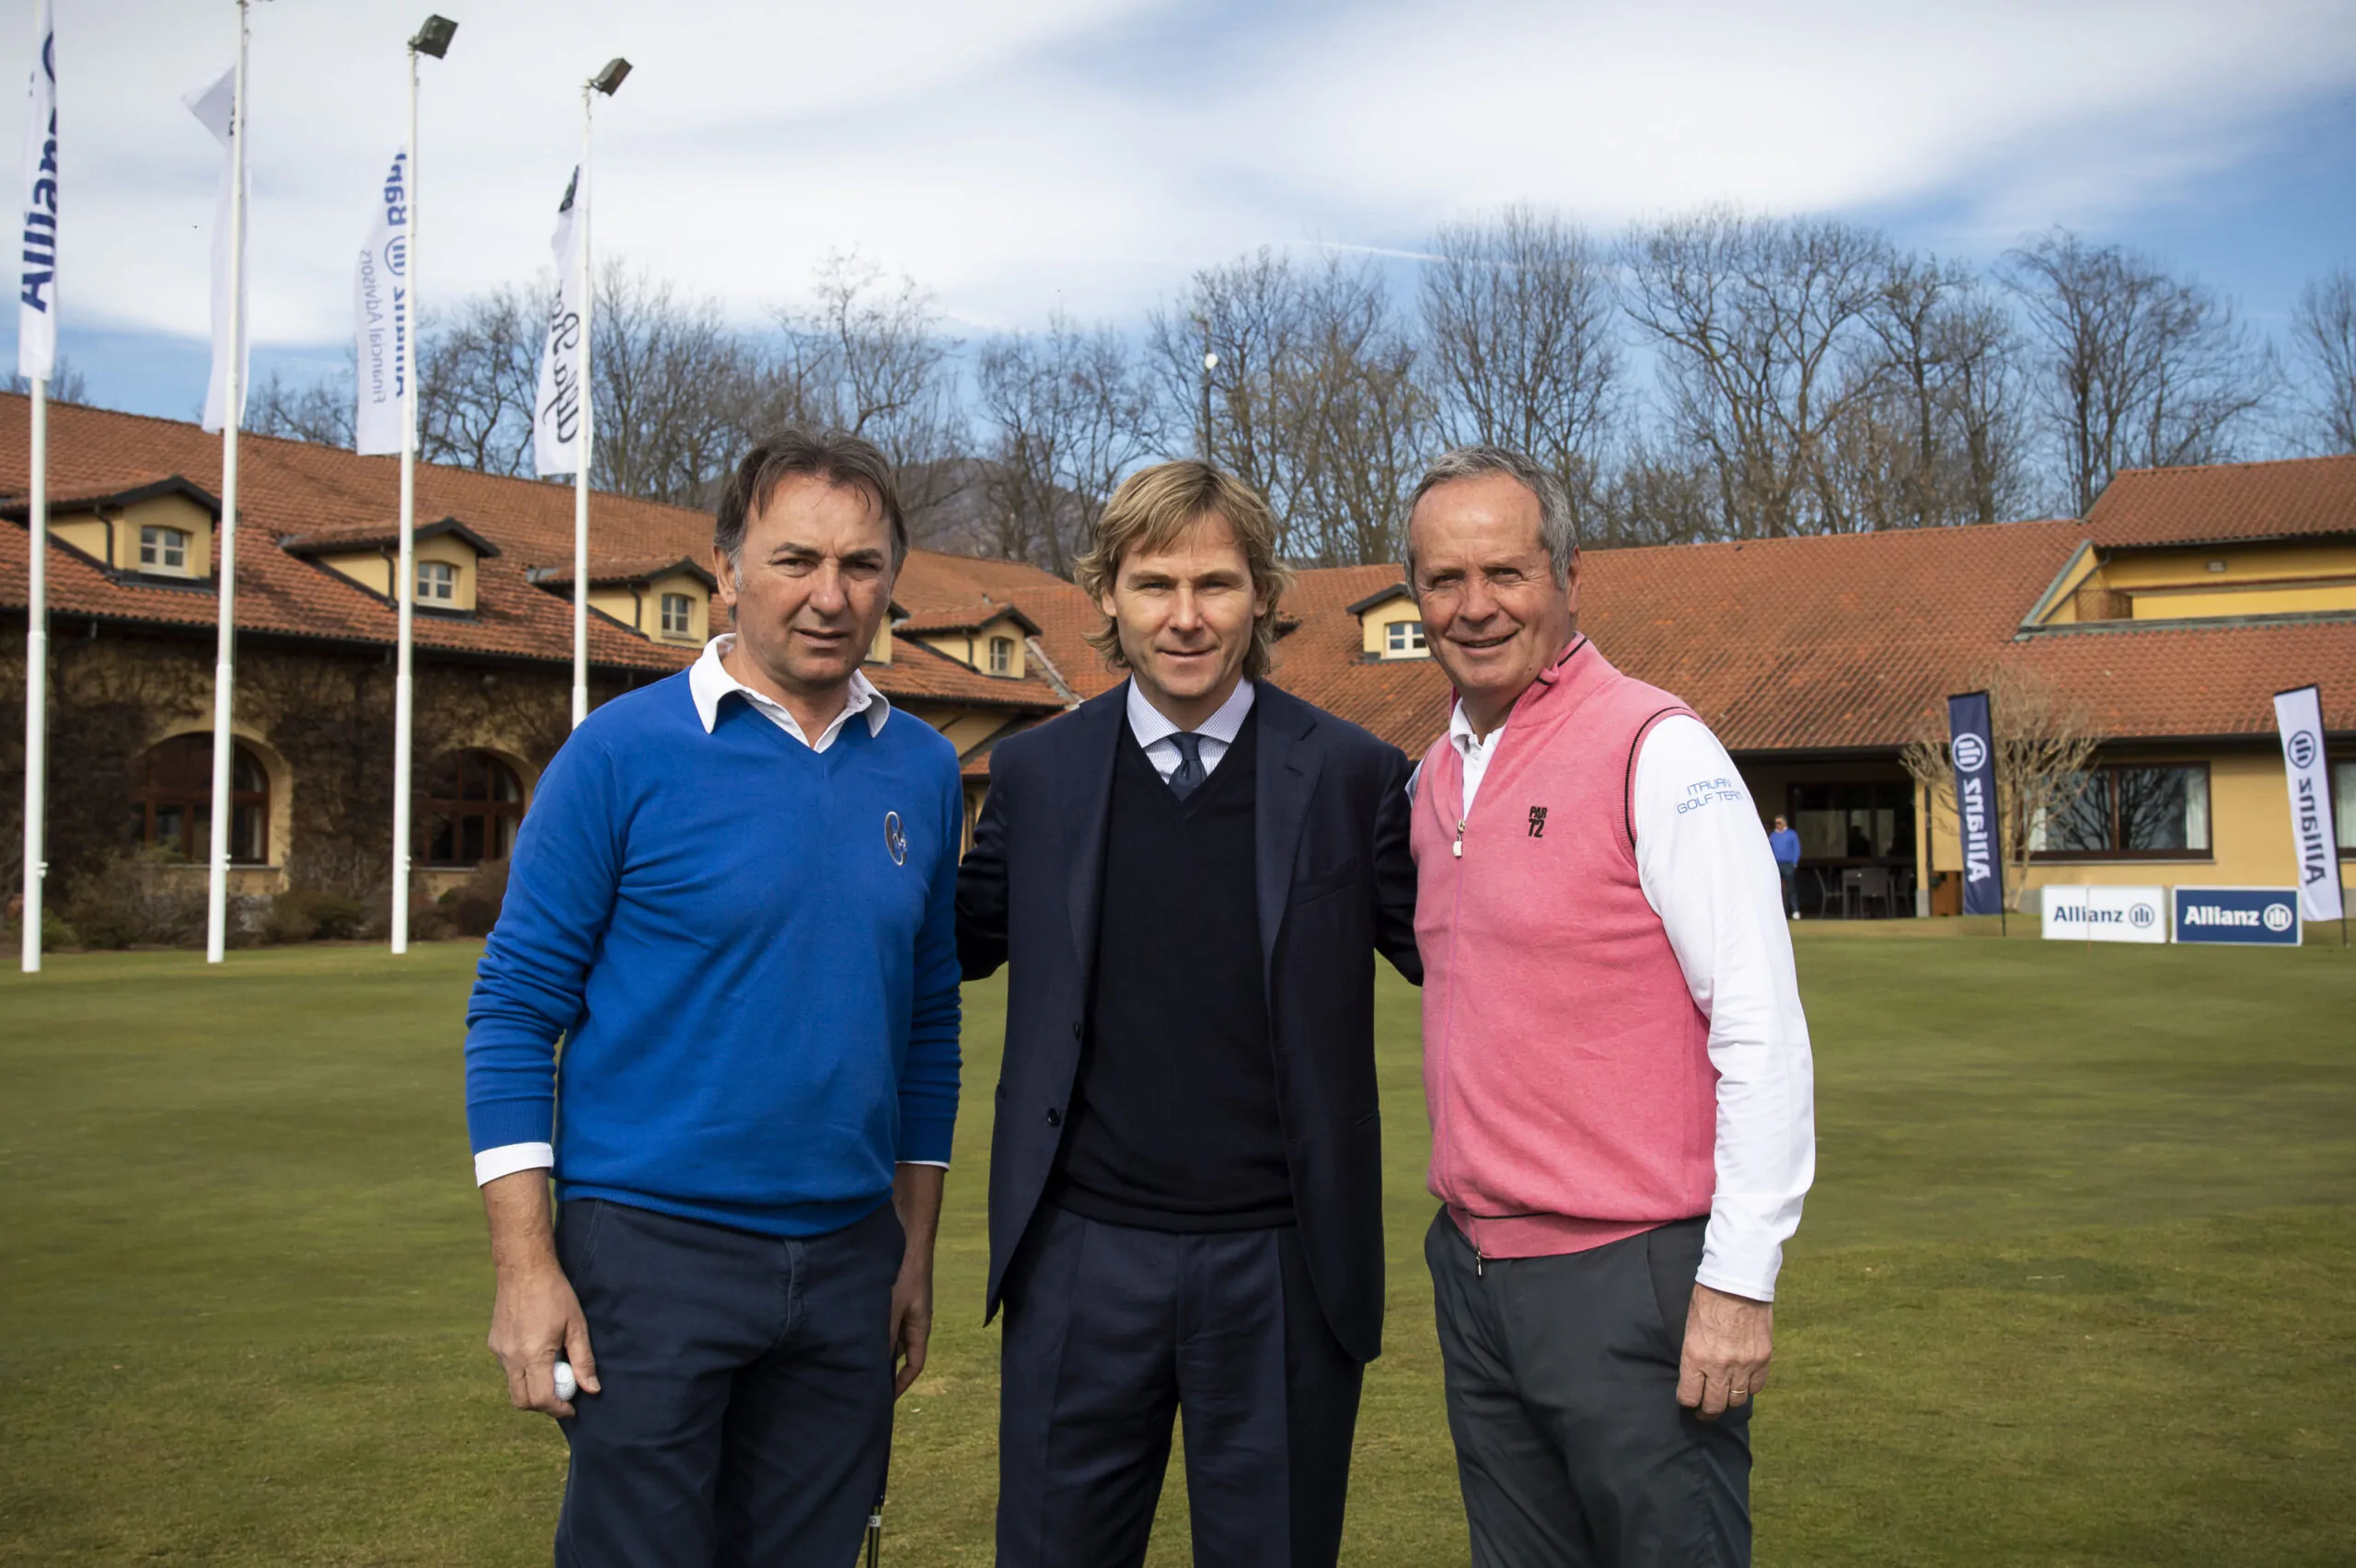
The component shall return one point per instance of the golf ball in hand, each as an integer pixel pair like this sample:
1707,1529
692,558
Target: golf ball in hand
565,1385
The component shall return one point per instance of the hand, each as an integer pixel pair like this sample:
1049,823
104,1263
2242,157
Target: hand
534,1319
911,1320
916,1198
1728,1341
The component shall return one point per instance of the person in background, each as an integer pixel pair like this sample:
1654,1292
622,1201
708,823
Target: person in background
1189,878
1786,847
734,900
1615,1061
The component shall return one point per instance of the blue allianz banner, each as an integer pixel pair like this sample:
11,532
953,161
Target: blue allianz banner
1972,743
2266,916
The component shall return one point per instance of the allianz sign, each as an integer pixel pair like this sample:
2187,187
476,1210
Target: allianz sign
2105,914
2265,916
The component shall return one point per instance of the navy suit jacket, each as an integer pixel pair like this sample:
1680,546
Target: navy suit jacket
1336,884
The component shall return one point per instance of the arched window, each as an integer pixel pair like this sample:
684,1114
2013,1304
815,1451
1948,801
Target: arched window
175,801
473,802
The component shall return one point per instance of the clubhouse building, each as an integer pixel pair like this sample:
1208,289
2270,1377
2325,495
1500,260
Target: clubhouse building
2165,619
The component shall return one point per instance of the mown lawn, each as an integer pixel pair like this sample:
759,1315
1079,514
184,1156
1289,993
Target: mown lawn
2074,1286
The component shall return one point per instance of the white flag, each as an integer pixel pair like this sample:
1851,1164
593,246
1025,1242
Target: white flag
556,429
37,294
216,107
380,317
2298,715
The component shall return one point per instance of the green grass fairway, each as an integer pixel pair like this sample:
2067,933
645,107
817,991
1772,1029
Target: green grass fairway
2077,1284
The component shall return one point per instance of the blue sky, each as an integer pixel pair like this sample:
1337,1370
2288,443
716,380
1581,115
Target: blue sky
1028,154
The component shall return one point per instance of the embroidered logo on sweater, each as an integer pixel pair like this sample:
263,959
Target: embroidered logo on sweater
1538,822
895,843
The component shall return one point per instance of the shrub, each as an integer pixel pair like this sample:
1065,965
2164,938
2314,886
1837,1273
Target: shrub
148,898
310,914
473,906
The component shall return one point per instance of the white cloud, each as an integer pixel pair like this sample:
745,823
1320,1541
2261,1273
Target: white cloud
1013,156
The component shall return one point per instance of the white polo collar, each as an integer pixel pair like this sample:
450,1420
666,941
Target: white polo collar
1150,724
708,680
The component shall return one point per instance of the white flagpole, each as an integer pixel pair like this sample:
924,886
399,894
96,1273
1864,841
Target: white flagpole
36,353
37,680
224,673
405,591
580,474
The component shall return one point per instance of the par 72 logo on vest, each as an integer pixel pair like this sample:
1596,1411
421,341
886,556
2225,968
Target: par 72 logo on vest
896,840
1538,822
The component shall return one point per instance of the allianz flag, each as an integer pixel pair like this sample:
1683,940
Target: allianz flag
556,424
380,317
2298,715
216,107
37,288
1972,743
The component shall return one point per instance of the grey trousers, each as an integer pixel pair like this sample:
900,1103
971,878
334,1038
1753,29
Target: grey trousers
1571,1447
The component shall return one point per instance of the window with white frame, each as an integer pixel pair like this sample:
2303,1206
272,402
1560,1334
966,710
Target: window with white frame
437,583
1001,656
1404,636
162,550
678,615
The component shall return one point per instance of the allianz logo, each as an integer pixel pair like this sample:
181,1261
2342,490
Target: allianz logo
2274,917
2140,915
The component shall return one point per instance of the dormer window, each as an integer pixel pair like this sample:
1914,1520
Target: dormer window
1403,637
437,583
678,615
162,550
1001,656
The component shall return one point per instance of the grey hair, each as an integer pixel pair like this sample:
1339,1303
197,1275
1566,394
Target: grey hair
1558,531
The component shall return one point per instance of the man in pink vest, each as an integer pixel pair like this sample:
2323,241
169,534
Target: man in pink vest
1615,1060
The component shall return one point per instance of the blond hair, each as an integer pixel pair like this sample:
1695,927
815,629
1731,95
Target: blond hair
1151,511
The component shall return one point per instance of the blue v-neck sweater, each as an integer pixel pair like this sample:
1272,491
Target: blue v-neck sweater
749,949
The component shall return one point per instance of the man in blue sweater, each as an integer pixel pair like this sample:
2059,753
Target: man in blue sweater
733,899
1785,845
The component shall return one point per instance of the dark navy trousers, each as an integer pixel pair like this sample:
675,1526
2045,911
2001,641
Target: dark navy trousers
1113,1332
746,1413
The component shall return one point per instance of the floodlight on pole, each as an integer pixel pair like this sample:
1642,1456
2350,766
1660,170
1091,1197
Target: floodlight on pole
433,39
608,82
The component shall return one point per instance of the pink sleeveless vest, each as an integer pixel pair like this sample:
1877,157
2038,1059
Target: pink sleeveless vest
1566,1069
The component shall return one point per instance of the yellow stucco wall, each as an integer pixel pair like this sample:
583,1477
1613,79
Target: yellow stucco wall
116,540
1373,634
2272,599
2249,834
2219,580
372,570
881,652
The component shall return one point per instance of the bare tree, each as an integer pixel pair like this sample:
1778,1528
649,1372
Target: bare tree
477,371
1520,332
2141,369
1756,321
673,385
66,383
1357,416
2044,743
868,355
2324,330
1071,413
1246,315
1931,432
322,412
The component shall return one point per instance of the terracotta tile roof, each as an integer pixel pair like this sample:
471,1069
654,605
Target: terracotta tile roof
2218,502
923,674
971,614
383,534
1792,644
625,569
1829,643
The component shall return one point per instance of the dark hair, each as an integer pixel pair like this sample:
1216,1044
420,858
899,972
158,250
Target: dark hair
837,457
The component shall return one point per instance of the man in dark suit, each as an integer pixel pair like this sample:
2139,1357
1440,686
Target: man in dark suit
1191,875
